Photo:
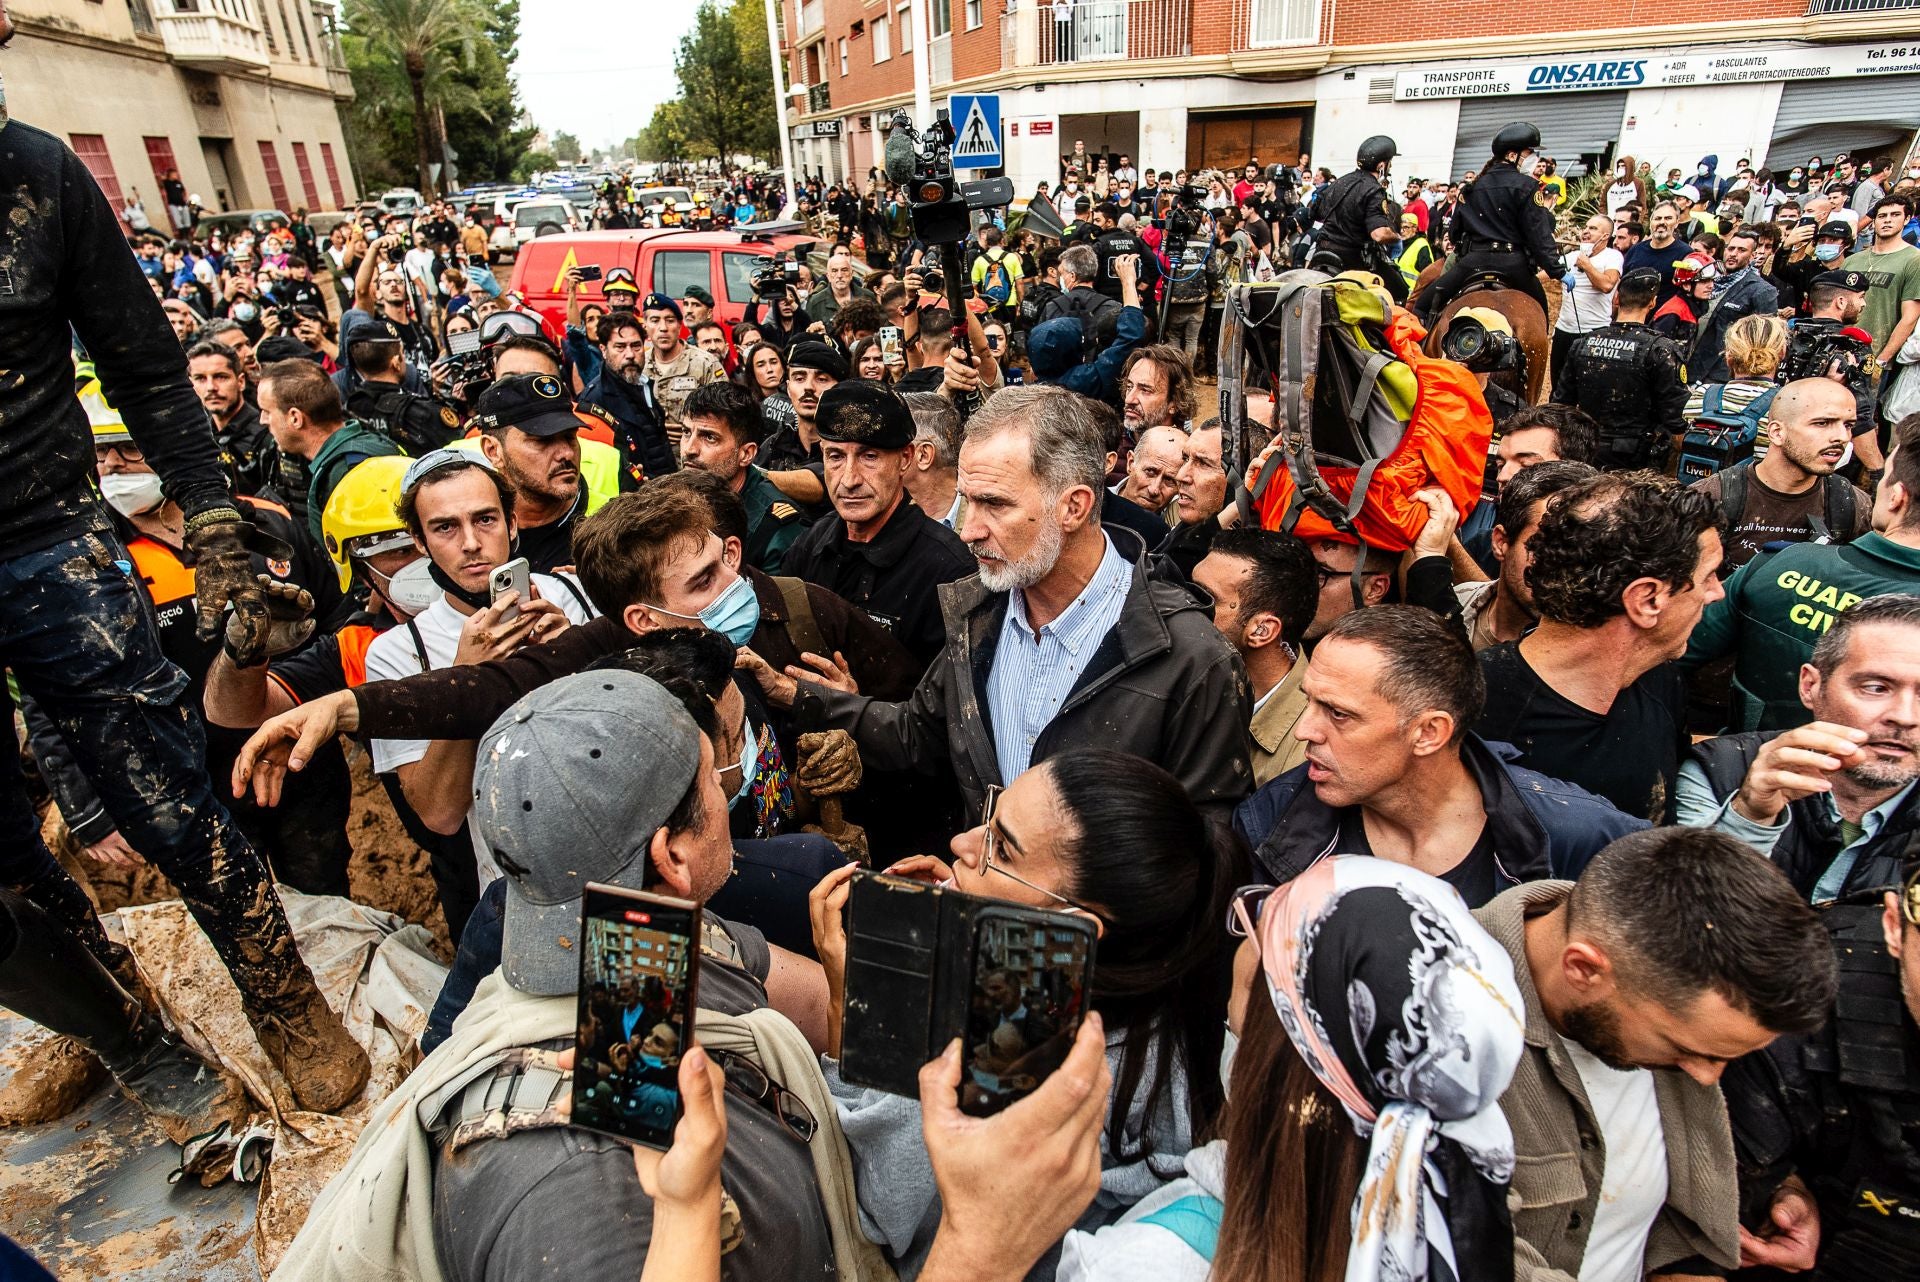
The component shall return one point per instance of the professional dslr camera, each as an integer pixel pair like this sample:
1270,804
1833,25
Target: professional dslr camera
774,276
1819,349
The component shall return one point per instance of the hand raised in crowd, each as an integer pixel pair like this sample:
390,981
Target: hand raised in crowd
684,1181
486,636
1011,1185
1797,764
1443,518
288,741
114,851
269,321
826,912
962,376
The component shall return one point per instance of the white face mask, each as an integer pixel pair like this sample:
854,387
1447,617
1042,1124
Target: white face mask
132,493
1529,165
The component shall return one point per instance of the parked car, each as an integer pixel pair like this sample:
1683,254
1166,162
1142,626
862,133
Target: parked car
236,220
545,216
400,200
667,260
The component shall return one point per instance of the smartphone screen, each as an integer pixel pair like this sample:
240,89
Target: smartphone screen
1029,991
639,960
890,341
514,576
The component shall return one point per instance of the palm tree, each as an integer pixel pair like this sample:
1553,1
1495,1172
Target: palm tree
422,38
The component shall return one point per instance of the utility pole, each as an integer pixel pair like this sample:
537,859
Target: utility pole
780,107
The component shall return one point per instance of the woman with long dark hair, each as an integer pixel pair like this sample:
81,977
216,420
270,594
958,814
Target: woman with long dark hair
1115,838
1377,1025
764,372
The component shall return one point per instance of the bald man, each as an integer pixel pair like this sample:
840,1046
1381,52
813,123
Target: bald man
1153,475
1791,493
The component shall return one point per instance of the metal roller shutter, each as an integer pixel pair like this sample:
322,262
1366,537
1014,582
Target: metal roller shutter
1571,125
1864,113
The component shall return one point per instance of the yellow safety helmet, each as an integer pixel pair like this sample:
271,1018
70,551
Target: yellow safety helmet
361,507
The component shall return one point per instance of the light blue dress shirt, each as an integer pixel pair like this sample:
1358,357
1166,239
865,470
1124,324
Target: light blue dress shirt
1034,672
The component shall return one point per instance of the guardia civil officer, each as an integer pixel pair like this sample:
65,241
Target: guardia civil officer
878,550
1631,379
1356,220
1499,229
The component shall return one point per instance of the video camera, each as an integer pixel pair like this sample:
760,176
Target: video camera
1818,349
773,276
923,164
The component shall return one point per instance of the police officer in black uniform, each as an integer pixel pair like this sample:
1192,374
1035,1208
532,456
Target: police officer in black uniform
1356,220
1112,243
1631,379
895,575
417,424
1838,1111
1499,228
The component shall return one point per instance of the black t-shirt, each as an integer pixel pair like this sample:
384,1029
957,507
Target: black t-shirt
549,546
1629,756
1476,876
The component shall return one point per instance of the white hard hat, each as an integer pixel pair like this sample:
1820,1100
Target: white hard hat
193,200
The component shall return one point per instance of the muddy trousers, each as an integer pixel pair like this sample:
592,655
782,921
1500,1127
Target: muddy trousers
77,634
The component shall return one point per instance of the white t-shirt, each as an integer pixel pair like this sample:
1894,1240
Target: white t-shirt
1583,308
393,655
419,265
1634,1186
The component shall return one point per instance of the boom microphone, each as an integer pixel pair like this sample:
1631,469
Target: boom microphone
900,155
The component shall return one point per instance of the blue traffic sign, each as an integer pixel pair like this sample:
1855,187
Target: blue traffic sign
976,124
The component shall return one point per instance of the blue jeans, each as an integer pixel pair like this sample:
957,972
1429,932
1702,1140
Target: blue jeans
79,637
768,891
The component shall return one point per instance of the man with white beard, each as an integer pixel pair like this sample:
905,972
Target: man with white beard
1081,647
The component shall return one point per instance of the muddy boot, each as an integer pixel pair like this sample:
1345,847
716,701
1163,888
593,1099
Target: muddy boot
47,976
300,1033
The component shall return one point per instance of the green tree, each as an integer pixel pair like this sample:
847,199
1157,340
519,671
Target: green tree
493,135
726,81
531,163
426,40
665,137
566,147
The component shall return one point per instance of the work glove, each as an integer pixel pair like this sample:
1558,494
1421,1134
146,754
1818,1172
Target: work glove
218,540
289,622
829,763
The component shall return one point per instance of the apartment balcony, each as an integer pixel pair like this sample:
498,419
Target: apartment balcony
213,35
340,81
1816,8
819,98
812,19
1108,30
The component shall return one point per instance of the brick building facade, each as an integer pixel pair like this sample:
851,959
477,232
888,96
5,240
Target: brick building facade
1188,83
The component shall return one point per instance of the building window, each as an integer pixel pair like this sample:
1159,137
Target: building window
266,25
276,185
882,44
974,15
1285,22
306,33
333,175
905,27
843,55
940,17
301,163
92,150
160,159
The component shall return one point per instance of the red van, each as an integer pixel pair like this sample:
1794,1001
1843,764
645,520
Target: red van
667,260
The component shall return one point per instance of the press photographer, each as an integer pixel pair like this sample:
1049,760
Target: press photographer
1829,343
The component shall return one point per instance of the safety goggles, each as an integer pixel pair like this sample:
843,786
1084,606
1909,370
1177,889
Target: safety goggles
372,545
433,460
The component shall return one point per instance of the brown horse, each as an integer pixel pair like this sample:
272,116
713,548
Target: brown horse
1530,329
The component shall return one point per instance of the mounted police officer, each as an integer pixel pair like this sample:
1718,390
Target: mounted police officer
1499,229
1357,220
382,401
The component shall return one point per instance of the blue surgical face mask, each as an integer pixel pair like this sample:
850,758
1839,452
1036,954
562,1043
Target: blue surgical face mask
735,613
1826,253
749,758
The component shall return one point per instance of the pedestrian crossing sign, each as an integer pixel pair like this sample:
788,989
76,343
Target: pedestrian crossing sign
976,140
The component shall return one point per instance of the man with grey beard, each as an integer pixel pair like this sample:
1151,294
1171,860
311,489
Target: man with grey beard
1060,642
1831,802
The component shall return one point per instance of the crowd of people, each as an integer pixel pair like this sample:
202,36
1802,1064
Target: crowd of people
1535,900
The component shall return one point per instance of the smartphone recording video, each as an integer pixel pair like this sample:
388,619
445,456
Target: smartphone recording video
1024,1009
639,960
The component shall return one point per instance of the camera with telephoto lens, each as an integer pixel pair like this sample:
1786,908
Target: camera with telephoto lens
1480,349
774,276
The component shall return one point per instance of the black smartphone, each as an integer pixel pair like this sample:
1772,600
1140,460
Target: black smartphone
589,271
926,965
639,969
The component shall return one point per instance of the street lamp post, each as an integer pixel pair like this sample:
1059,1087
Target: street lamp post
780,107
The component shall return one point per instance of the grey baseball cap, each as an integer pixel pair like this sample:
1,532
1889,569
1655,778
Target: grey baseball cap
569,786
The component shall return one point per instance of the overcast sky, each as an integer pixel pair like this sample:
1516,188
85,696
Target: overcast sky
598,68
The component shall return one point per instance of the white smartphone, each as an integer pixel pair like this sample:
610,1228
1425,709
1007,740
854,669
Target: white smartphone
514,576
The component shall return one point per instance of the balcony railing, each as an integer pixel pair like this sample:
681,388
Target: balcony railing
819,97
1266,24
940,60
1112,30
1817,7
811,19
214,35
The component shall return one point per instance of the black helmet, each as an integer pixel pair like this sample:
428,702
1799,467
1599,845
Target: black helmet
1519,136
1375,151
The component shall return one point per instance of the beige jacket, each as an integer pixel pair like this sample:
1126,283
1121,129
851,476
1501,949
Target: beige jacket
1275,750
1561,1155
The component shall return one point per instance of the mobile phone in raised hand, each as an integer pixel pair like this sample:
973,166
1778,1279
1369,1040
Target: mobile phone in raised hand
513,576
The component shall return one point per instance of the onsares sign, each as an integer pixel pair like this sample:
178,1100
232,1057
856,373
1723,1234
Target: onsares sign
1713,66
